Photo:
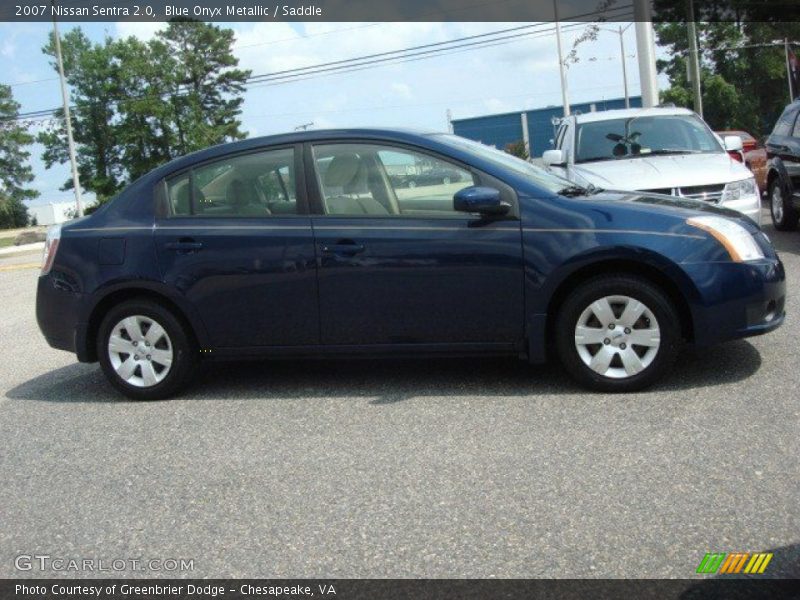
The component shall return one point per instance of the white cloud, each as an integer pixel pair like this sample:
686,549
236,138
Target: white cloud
8,48
402,89
496,105
139,29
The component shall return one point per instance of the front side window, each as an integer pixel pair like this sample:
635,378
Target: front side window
258,184
643,136
371,179
506,161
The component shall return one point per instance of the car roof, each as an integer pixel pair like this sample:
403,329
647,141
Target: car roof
627,113
295,137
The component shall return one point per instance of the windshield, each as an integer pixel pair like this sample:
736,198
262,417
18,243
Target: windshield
550,182
638,137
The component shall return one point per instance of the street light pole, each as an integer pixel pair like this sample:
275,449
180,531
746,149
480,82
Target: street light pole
564,91
624,68
694,61
621,33
76,184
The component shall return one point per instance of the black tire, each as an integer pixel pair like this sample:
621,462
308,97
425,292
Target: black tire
185,354
786,220
656,301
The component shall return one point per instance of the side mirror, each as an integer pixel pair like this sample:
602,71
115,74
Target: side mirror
733,143
482,200
553,157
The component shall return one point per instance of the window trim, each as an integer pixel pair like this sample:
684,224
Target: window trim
166,211
314,186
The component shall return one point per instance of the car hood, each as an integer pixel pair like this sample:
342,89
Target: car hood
662,172
638,206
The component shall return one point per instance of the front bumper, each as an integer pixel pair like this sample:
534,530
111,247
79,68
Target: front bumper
737,300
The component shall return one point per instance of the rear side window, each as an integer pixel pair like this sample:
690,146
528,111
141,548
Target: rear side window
259,184
785,122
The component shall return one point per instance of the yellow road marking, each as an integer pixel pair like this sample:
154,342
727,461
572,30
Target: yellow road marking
20,266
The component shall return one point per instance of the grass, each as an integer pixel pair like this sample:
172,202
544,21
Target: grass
6,241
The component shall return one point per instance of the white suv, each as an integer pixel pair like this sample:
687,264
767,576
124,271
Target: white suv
660,150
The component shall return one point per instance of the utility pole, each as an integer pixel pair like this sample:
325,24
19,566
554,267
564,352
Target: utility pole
621,31
646,51
76,184
562,73
694,60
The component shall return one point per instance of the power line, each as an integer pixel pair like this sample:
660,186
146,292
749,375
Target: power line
370,61
400,60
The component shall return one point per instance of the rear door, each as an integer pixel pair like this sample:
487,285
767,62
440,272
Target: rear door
234,237
397,265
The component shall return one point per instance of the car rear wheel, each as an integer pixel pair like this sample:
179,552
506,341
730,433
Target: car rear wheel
784,216
617,333
145,351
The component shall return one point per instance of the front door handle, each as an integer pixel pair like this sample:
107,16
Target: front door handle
343,247
184,245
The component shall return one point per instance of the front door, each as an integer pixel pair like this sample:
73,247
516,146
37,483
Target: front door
237,242
396,263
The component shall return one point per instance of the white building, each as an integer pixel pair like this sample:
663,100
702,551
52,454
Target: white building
52,213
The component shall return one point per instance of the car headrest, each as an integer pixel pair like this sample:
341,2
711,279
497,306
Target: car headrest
342,170
236,193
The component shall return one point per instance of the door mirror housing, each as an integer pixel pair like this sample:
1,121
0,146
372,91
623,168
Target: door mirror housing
733,143
553,158
482,200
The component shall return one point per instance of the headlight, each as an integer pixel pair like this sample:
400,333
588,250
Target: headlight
736,239
739,189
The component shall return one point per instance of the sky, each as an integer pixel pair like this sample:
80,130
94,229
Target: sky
503,78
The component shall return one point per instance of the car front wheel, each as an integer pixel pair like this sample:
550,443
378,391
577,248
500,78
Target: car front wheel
145,351
784,217
617,333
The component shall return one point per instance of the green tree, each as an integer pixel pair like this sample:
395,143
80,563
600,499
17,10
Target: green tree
139,104
743,71
15,172
206,85
518,149
92,75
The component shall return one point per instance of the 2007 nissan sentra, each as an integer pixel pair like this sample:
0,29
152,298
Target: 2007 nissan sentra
304,245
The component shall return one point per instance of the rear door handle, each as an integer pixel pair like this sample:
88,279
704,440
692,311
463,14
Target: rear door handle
184,245
344,247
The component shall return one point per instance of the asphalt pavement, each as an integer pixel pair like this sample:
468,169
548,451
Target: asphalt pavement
445,468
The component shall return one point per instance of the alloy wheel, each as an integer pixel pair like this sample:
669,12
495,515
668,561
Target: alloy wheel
617,336
140,351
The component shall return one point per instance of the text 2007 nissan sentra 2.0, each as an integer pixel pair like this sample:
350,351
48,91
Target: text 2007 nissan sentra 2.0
304,245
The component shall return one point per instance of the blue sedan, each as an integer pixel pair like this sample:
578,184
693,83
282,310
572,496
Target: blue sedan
308,245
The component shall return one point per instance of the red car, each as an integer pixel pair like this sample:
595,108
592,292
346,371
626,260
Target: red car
754,154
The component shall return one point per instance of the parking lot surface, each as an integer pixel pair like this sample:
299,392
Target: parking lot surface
445,468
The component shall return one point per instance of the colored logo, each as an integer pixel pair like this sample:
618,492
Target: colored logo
734,562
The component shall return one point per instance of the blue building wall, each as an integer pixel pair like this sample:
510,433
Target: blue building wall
503,129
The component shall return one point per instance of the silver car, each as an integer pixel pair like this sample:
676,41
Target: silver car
659,150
